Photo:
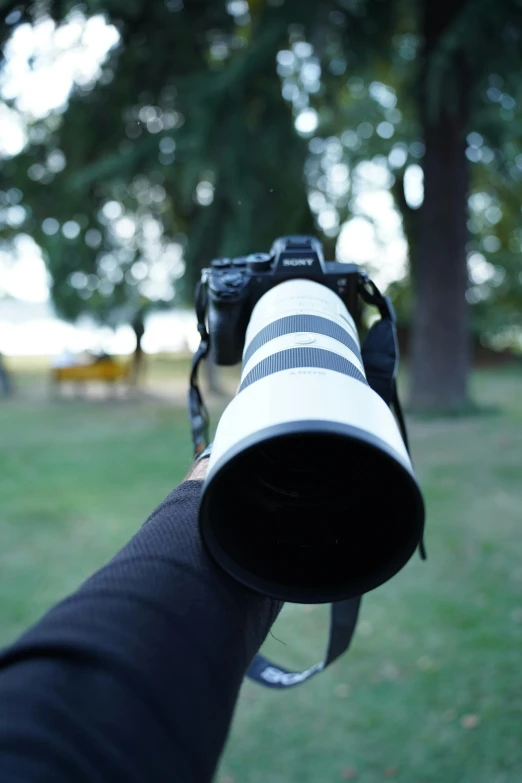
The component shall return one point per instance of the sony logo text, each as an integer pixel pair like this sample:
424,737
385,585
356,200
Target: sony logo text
274,675
298,261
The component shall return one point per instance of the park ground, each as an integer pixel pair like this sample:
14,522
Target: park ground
431,690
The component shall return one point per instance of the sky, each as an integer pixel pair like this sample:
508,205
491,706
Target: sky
42,65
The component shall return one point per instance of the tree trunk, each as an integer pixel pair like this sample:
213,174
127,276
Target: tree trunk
410,218
440,335
137,359
5,380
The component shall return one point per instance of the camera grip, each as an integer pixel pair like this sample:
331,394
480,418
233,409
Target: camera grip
227,332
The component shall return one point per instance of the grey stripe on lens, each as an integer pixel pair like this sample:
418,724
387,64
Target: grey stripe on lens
301,323
294,358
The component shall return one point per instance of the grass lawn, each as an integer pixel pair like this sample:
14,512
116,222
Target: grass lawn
431,691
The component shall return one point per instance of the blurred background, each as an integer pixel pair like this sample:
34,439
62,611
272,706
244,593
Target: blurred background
140,140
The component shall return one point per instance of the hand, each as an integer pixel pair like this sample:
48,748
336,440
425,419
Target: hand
198,471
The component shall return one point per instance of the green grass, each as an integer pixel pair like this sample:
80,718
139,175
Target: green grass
431,690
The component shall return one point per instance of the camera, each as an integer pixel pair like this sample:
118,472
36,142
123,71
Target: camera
236,285
309,436
310,494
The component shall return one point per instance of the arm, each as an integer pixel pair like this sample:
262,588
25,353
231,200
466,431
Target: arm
135,676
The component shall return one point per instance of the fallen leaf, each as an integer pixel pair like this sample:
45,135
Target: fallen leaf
390,772
349,773
470,721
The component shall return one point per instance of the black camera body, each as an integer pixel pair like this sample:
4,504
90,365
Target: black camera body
236,285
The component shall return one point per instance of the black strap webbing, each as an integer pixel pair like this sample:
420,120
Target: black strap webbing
343,619
397,408
199,418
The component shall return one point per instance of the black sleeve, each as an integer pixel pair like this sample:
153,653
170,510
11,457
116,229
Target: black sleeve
135,676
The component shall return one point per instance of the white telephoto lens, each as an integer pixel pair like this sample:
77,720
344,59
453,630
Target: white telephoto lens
310,494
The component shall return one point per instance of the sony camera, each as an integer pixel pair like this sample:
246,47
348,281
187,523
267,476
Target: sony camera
310,495
309,436
236,285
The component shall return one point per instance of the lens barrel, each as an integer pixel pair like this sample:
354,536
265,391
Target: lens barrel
310,495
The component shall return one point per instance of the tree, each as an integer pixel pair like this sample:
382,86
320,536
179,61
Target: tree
5,380
185,133
446,102
455,38
190,128
440,350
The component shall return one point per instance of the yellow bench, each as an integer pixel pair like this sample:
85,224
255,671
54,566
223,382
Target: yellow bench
106,371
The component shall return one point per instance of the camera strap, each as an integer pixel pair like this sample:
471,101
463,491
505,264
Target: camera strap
380,355
343,619
199,417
